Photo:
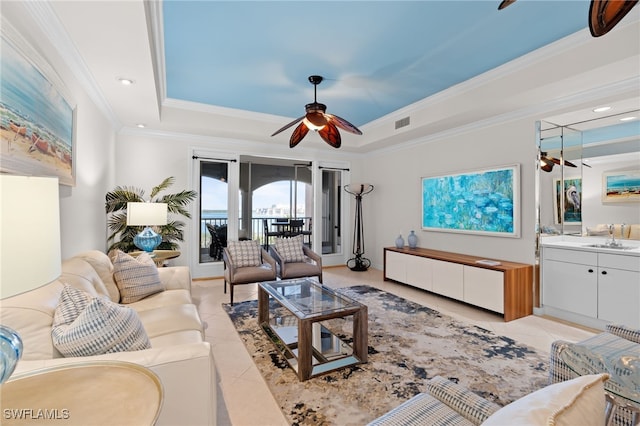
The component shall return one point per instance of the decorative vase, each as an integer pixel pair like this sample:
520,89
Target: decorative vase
10,351
413,240
399,241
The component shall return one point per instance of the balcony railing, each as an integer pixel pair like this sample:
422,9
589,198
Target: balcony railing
256,233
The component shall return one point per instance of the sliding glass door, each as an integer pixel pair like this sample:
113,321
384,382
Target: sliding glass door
260,198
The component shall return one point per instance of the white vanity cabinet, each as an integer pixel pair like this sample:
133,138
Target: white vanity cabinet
619,289
505,288
570,281
591,287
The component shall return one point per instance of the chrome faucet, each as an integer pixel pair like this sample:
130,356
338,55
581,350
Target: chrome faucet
613,242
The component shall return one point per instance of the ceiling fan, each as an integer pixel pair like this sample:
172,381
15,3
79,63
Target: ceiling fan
547,162
603,14
318,120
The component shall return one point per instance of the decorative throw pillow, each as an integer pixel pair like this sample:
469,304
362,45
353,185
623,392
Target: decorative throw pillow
71,304
579,401
99,327
245,253
136,278
290,249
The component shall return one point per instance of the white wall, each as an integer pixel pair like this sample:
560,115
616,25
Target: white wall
83,221
394,207
143,160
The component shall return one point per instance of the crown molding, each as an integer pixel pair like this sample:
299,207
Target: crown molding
45,17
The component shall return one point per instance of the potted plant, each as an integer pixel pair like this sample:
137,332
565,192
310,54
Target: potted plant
121,235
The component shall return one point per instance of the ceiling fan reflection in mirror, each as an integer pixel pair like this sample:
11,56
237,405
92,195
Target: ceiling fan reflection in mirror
318,120
547,162
603,14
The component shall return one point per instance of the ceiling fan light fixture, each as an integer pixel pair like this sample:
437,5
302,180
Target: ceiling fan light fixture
316,119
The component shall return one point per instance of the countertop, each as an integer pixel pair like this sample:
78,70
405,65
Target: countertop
584,243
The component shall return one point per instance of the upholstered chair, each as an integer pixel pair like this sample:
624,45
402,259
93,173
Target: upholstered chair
295,260
246,262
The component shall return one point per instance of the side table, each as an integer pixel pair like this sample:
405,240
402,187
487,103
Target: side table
90,393
159,256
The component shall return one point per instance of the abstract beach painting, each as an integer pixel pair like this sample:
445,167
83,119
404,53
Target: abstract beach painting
36,118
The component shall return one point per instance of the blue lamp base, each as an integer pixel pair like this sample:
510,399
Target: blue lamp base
147,240
10,352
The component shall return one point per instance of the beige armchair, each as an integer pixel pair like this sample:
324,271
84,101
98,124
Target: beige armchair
235,273
311,266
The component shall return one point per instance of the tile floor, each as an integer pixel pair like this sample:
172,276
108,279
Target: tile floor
243,397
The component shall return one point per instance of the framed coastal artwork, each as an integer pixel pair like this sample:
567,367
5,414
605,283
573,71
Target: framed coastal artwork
567,201
485,202
37,116
621,186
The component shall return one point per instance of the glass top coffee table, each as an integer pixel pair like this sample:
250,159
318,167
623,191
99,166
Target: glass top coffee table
301,317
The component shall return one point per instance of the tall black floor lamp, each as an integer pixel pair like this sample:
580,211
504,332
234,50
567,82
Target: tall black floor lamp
358,263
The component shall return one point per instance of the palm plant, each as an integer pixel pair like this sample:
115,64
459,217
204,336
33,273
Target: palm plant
121,235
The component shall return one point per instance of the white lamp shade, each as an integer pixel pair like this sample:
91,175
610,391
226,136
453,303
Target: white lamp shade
146,214
30,254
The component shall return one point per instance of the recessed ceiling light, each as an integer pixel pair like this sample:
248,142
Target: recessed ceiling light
628,118
602,109
141,125
125,81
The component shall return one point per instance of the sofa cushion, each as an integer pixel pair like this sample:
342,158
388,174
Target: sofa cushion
104,268
170,319
245,253
165,298
136,278
100,326
580,401
290,249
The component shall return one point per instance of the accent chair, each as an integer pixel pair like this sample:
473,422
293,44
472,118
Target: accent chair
245,262
295,260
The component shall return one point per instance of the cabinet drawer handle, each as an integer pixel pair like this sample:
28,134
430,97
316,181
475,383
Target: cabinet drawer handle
591,271
604,272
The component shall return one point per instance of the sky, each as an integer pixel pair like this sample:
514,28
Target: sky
214,195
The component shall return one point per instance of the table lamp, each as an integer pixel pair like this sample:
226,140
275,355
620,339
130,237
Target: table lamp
358,263
147,215
30,254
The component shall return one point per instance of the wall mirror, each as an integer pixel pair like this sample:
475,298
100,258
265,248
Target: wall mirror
576,153
589,173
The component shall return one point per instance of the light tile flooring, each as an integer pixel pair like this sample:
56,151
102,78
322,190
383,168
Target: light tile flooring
243,397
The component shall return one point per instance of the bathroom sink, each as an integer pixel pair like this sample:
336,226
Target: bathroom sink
607,246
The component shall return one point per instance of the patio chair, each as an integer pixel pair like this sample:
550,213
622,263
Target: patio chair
267,233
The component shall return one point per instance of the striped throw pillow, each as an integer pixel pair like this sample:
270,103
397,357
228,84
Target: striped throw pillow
100,327
245,253
290,249
136,278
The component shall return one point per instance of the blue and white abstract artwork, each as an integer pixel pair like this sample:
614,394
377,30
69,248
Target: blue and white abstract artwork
484,201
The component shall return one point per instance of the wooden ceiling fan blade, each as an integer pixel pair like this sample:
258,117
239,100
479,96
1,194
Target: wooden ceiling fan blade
555,160
285,127
505,3
331,135
569,164
605,14
298,134
343,124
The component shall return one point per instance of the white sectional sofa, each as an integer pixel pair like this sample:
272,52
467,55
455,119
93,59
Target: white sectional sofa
178,355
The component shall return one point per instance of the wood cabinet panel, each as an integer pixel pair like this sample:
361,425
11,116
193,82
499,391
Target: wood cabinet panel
448,279
506,288
484,288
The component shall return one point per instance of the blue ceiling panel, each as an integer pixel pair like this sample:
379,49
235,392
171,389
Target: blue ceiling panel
375,56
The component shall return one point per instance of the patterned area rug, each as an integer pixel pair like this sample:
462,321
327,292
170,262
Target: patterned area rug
408,344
